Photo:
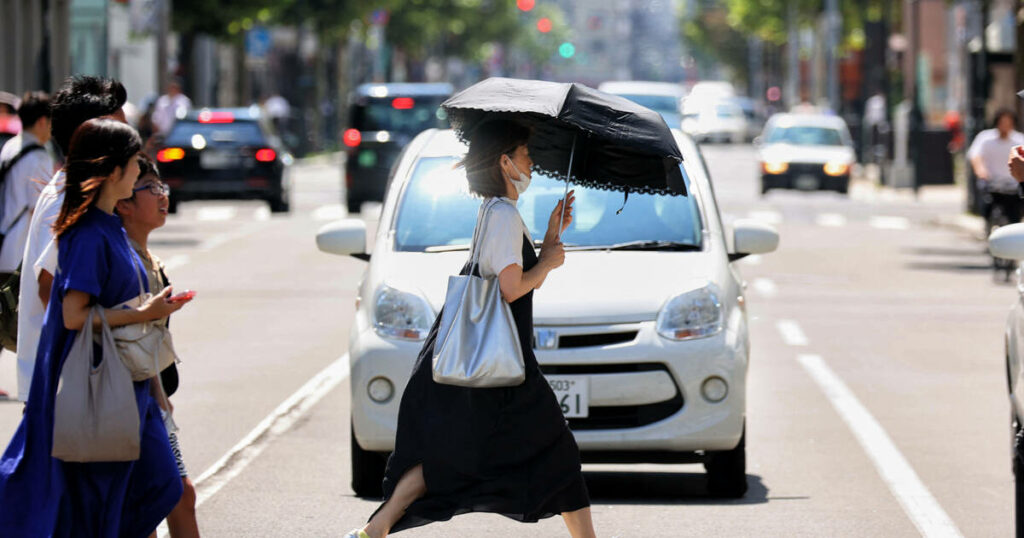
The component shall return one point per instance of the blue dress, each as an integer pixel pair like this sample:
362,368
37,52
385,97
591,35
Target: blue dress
41,496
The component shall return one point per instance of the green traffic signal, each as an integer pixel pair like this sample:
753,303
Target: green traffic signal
567,50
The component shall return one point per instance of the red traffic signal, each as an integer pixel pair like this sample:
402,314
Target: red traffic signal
544,25
525,5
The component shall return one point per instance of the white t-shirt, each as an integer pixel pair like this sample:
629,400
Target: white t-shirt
166,111
20,190
995,152
502,242
40,253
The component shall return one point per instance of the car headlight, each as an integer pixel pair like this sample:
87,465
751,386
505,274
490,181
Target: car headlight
836,168
397,314
775,167
694,314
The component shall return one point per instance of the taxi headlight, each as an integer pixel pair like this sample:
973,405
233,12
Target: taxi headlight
397,314
836,168
695,314
775,167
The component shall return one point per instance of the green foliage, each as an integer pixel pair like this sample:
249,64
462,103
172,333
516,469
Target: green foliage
713,39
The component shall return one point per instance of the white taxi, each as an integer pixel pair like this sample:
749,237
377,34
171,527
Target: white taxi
642,333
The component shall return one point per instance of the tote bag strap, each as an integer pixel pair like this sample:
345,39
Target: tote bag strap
479,232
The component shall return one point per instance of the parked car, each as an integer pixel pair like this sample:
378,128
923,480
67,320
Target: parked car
642,333
382,119
1008,243
665,98
216,153
706,90
714,121
806,152
754,118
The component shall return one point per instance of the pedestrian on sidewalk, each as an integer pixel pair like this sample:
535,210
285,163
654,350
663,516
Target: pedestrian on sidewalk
988,155
78,100
39,494
170,106
27,166
504,450
144,212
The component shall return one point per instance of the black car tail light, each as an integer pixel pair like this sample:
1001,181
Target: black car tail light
266,155
167,155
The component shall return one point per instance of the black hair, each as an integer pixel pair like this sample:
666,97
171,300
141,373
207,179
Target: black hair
487,143
82,98
98,147
34,105
1004,112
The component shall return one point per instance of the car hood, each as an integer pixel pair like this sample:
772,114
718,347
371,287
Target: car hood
593,287
806,154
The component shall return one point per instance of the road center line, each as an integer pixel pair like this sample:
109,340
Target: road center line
918,503
791,332
278,422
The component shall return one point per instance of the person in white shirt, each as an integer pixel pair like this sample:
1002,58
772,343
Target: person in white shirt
24,180
988,156
80,99
169,107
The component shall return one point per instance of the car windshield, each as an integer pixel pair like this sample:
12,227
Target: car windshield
245,133
436,210
663,104
803,135
402,114
726,111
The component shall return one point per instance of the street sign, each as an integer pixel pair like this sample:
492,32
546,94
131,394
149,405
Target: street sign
257,42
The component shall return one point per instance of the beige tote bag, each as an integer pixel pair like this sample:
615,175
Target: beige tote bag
95,416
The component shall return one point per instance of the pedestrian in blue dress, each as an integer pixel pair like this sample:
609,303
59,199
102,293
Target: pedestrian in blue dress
41,496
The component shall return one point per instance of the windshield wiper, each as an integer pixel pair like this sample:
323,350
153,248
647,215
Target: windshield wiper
672,246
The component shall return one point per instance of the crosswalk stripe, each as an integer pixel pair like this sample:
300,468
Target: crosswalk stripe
830,220
216,213
330,212
890,223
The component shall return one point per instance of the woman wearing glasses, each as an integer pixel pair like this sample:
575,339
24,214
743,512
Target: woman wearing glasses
144,212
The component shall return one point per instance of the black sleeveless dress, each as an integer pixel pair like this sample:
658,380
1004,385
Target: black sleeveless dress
504,450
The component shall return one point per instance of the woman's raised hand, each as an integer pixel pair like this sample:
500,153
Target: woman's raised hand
553,230
552,255
158,307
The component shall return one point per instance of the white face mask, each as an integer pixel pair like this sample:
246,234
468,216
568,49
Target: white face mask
523,182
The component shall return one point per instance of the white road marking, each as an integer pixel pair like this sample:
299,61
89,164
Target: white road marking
890,223
918,503
330,212
791,332
753,259
216,213
176,261
830,220
767,217
262,213
765,287
278,422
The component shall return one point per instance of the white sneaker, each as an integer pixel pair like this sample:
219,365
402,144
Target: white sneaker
356,533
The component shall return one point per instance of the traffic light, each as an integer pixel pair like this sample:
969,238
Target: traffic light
567,50
525,5
544,25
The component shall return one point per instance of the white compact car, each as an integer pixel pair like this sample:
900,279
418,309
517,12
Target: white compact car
714,120
642,332
1008,243
806,152
665,98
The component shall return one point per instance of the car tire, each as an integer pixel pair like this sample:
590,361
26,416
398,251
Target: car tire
764,187
354,206
172,205
279,204
844,188
367,469
1017,464
727,471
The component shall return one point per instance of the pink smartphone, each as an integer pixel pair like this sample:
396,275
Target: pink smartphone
183,296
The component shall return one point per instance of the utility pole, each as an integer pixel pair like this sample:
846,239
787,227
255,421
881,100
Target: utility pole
793,51
161,45
833,27
916,117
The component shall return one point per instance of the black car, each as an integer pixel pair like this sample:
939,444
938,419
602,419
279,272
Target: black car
382,119
216,153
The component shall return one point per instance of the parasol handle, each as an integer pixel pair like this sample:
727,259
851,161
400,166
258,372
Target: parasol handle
565,195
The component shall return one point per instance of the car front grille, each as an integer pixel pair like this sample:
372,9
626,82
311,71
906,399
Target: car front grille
618,417
593,340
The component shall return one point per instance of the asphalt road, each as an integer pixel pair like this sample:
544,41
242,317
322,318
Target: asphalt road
876,392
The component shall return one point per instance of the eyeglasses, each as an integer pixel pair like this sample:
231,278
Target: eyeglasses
157,189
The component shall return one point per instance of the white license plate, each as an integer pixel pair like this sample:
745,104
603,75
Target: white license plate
807,183
217,160
572,393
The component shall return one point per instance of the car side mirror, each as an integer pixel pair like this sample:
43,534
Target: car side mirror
1007,242
752,237
344,237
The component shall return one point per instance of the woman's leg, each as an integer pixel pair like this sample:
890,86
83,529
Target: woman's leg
579,523
182,520
409,488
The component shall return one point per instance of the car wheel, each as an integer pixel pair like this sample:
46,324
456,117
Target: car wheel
727,471
844,188
354,206
367,470
279,204
764,187
1017,458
